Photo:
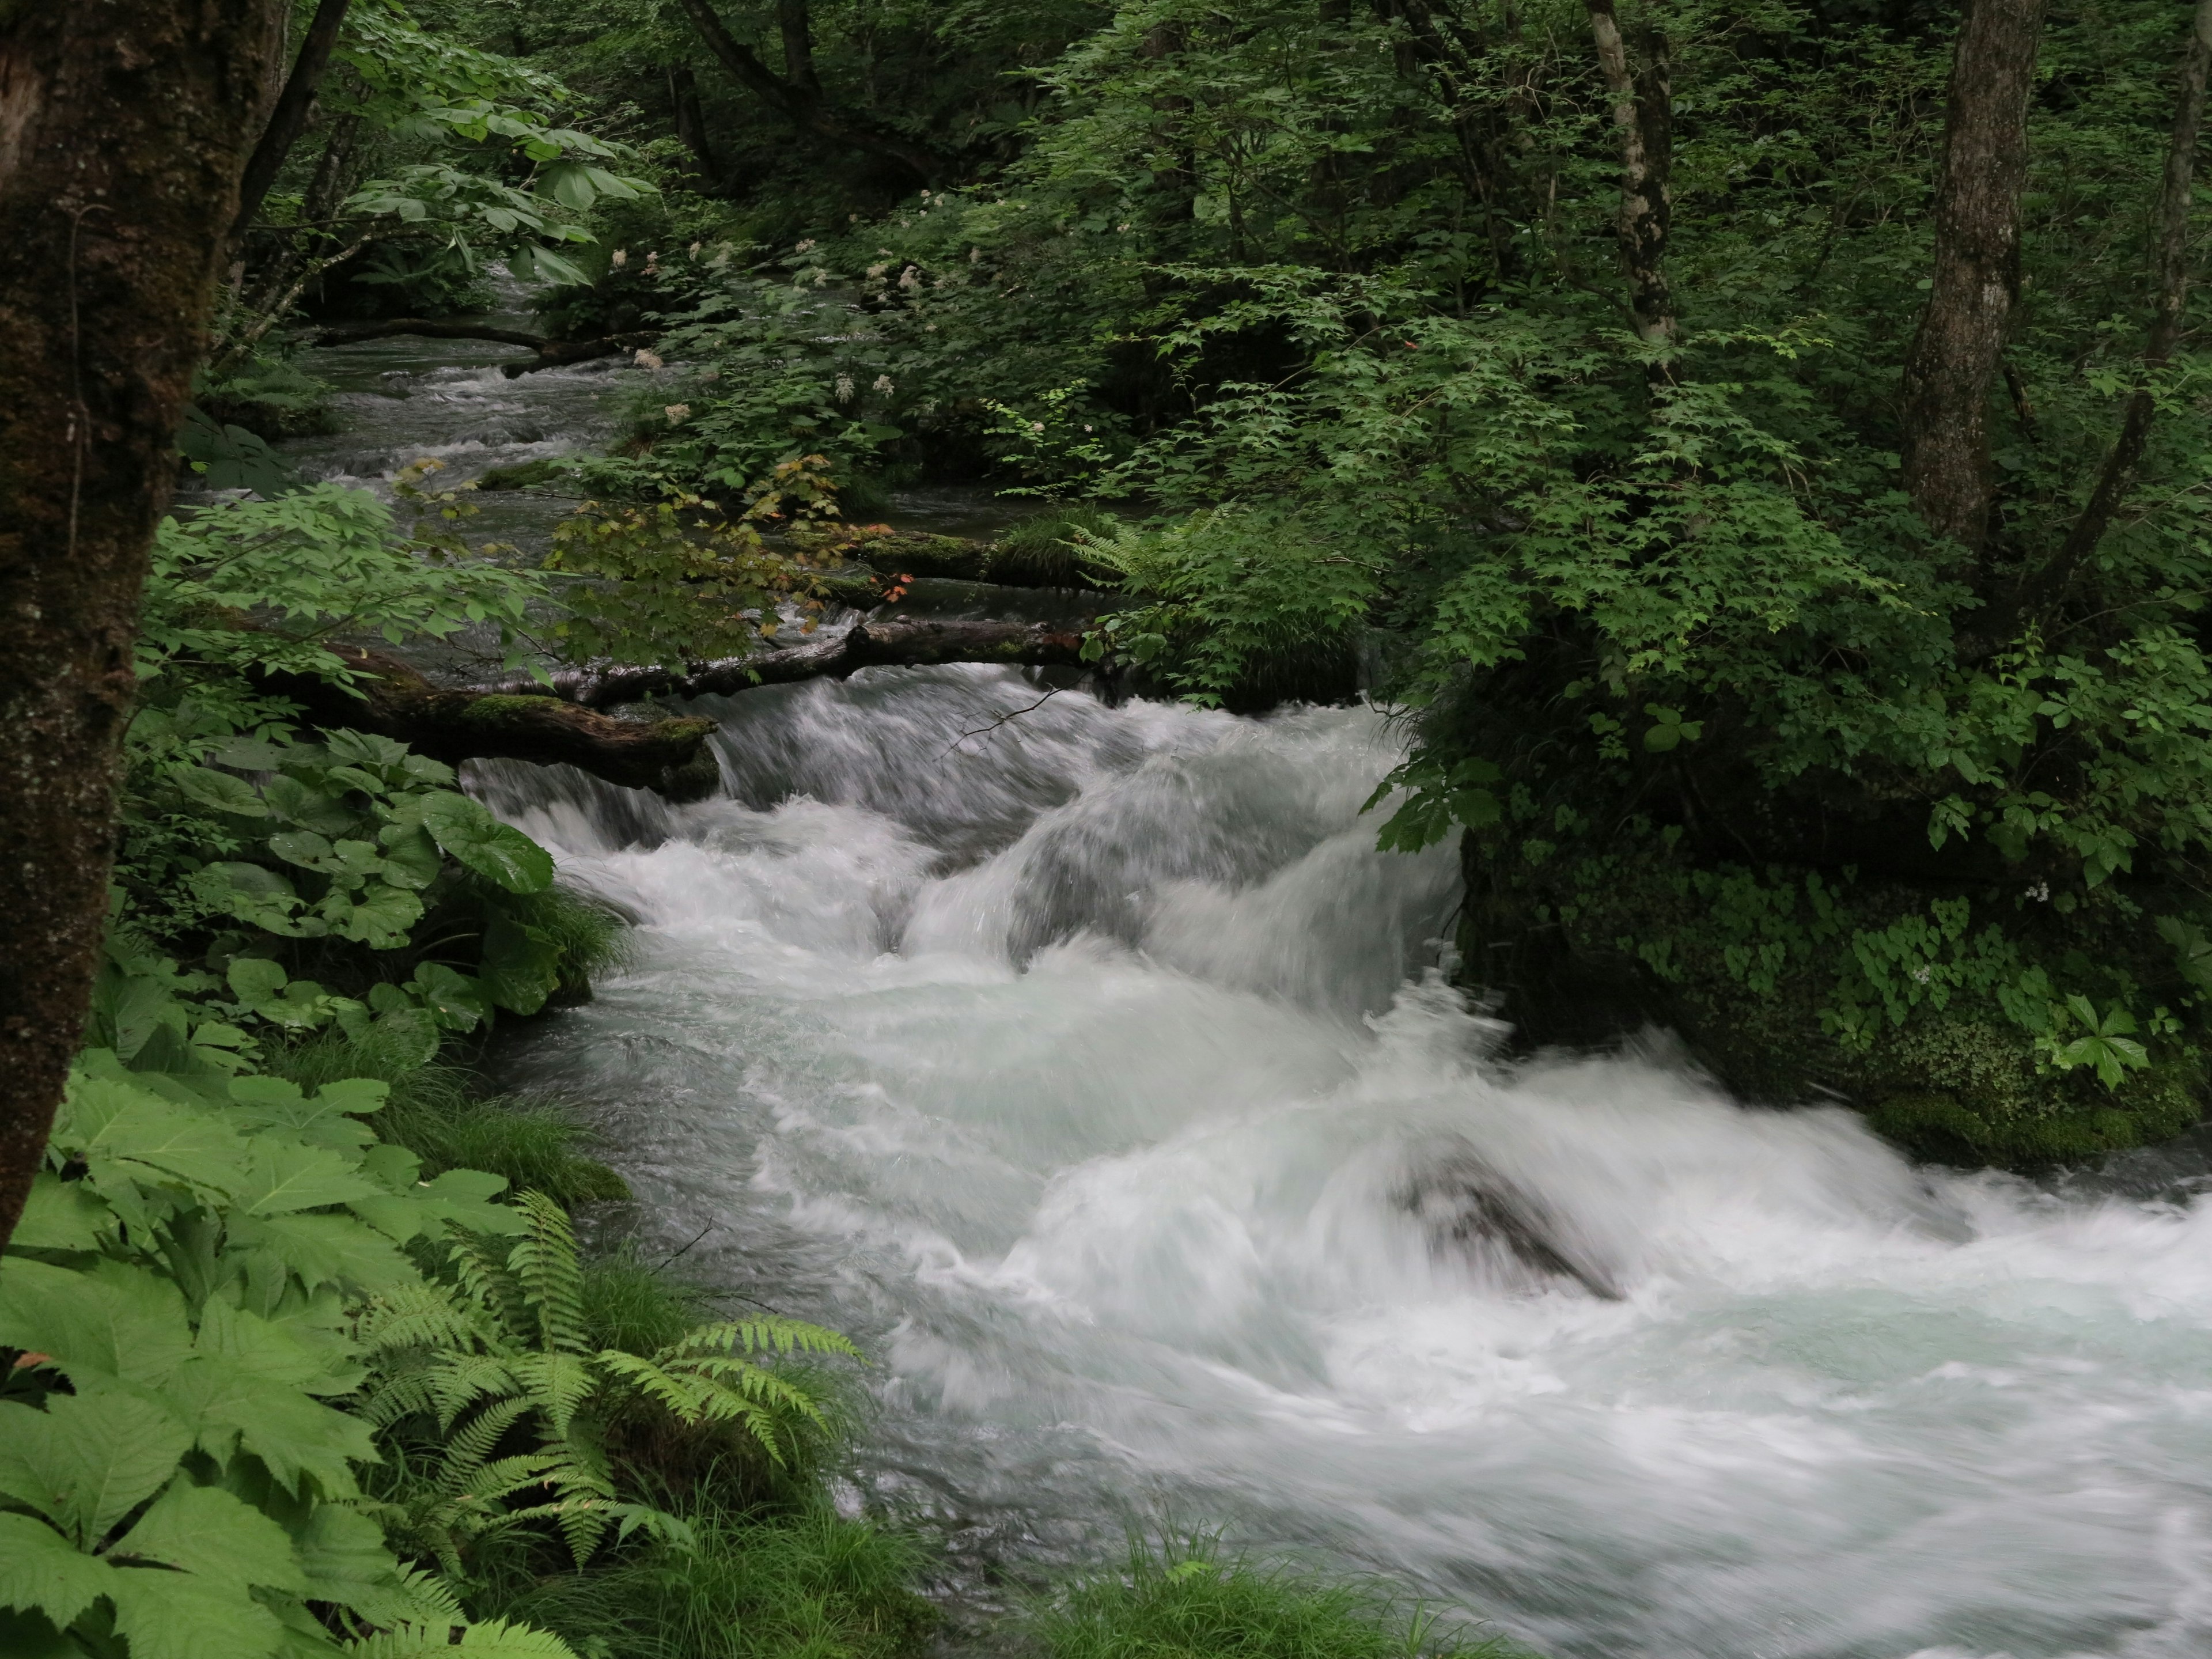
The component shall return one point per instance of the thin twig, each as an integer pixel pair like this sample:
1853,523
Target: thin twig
1013,714
702,1233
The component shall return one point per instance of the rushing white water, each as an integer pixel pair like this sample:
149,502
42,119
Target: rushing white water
1086,1066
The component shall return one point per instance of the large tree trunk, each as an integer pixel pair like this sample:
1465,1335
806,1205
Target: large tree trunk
2170,298
1642,111
1976,278
290,118
124,129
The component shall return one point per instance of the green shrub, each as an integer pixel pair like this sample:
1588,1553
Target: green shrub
1182,1599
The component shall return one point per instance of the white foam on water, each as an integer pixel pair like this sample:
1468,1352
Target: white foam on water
1093,1068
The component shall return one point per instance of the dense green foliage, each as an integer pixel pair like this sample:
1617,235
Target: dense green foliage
1325,299
1308,321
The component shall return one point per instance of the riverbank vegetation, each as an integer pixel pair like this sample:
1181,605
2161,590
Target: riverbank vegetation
1782,541
1756,449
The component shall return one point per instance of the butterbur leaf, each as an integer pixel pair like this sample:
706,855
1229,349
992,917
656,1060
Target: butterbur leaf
220,792
411,858
248,892
378,917
39,1568
254,979
455,1000
249,755
521,964
304,848
479,841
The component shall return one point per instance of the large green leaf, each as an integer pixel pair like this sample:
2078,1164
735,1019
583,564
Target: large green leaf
130,1007
325,1250
60,1215
521,964
485,845
286,1176
183,1615
113,1320
206,1530
39,1568
231,1406
122,1129
220,792
87,1460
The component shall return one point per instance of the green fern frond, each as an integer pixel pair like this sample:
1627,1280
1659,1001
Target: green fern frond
496,1638
420,1316
764,1334
472,1442
544,1264
461,1383
480,1263
558,1384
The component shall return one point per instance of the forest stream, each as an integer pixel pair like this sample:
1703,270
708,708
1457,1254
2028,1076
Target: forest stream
1092,1069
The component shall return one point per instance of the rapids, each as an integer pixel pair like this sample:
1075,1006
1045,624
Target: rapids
1097,1070
1092,1069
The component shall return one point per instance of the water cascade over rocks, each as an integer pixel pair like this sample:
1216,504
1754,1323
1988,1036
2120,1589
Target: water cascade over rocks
1092,1064
1092,1067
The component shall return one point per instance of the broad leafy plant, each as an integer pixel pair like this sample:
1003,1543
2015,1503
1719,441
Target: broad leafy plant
178,1478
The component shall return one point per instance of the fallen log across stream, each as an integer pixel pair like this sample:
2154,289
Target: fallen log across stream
551,354
565,722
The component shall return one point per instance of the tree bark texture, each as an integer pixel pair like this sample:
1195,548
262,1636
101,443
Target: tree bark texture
2169,300
125,127
290,118
1642,112
691,125
1976,280
805,108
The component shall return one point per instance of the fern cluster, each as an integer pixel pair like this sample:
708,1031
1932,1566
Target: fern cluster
489,1377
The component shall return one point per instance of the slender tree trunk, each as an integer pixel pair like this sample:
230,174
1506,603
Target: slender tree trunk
2170,299
1642,111
795,23
691,125
125,127
290,118
1975,281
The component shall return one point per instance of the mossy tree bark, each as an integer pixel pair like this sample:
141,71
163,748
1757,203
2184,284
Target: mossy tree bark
1976,278
124,131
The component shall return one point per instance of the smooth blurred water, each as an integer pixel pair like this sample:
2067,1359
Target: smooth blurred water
1088,1064
1091,1066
